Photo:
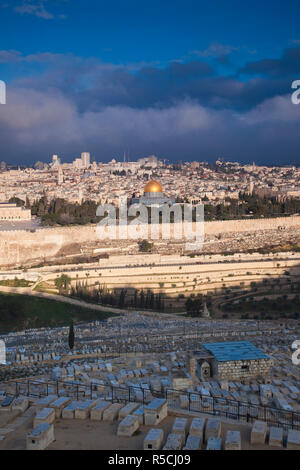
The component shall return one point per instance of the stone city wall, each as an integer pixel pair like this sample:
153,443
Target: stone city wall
18,247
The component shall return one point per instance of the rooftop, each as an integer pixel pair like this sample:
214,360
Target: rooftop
234,351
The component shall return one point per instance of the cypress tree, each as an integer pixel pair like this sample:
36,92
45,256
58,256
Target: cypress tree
71,336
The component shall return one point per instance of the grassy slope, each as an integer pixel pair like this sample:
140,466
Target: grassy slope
19,312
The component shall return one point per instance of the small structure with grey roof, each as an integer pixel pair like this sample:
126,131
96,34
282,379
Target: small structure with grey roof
238,360
235,361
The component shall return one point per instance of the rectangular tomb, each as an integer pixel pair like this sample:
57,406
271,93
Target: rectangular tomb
98,410
154,439
41,437
128,426
174,442
214,443
20,404
213,428
59,404
128,409
259,432
69,411
83,409
293,440
46,415
180,426
112,412
45,402
156,411
140,413
276,437
233,440
197,427
193,443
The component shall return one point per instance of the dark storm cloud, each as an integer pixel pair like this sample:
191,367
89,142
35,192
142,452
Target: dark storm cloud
180,111
92,84
288,65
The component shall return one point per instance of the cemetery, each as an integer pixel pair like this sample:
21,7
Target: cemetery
191,384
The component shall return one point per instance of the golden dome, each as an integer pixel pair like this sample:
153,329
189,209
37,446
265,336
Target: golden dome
153,187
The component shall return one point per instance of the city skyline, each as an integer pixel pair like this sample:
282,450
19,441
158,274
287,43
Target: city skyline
184,84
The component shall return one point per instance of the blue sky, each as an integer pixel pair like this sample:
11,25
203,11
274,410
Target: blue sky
183,79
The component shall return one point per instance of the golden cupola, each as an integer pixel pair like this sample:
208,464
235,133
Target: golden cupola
153,187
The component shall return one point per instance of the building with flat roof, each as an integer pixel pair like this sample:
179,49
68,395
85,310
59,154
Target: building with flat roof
237,360
10,211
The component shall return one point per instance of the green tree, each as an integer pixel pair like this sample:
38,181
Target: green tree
122,298
142,299
16,200
194,306
145,246
62,283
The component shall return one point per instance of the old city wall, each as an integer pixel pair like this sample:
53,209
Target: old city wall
250,225
18,247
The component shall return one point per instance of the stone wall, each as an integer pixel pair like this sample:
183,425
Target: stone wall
241,370
18,247
251,225
13,212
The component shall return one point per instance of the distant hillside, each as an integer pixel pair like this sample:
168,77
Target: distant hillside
20,312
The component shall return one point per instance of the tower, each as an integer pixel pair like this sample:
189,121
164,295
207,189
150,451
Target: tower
55,161
60,177
86,159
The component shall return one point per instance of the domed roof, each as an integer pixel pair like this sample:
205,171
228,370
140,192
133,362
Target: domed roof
153,187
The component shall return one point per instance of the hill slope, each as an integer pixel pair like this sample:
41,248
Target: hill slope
20,312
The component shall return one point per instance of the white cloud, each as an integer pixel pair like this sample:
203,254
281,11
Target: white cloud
215,50
278,110
38,8
33,122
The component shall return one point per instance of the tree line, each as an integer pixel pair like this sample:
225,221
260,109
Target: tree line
58,211
120,298
251,205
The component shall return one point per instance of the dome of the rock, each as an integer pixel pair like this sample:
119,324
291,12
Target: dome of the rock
153,187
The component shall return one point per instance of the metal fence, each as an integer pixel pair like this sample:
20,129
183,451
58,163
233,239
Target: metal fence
232,409
177,400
